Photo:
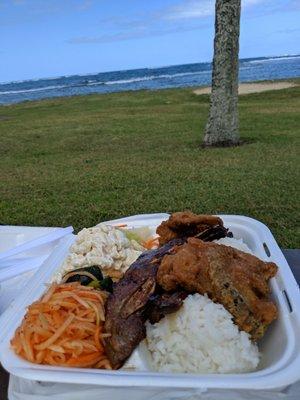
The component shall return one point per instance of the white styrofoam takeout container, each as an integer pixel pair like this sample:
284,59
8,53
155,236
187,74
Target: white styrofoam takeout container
11,237
280,362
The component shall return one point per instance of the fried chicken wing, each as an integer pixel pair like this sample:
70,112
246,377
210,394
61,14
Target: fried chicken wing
231,277
186,224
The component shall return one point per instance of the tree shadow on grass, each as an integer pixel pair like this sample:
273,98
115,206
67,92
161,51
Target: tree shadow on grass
241,142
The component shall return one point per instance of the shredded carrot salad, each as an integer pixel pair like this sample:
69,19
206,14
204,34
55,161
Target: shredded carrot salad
151,243
65,328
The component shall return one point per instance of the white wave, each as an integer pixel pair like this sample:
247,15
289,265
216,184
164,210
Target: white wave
52,78
91,83
186,74
121,81
273,59
152,77
117,82
241,68
34,80
33,90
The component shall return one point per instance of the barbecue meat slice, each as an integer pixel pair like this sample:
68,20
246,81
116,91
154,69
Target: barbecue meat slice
126,310
162,304
186,224
231,277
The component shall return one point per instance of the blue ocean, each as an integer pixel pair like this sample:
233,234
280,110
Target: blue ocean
199,74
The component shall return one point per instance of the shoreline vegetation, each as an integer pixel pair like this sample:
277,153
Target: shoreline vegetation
87,158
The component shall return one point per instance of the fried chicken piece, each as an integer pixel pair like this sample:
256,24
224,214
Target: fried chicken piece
185,224
231,277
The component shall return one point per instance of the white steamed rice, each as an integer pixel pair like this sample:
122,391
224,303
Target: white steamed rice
236,243
200,338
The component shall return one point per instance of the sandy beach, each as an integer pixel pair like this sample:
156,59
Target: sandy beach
247,88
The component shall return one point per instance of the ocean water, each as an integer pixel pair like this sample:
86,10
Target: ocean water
186,75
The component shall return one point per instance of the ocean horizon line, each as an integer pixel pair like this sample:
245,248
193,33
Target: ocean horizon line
175,76
271,57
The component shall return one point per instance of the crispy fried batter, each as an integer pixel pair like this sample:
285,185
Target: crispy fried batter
185,224
231,277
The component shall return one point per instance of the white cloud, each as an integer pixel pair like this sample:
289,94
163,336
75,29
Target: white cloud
251,2
85,5
192,9
133,34
18,2
187,15
189,9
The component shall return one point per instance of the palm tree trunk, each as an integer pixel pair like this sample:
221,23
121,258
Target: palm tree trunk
222,125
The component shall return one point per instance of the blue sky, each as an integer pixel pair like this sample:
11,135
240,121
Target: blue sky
45,38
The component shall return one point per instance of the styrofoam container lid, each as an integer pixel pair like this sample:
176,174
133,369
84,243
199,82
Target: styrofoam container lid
12,236
280,362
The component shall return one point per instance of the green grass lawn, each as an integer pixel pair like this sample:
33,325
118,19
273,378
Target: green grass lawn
84,159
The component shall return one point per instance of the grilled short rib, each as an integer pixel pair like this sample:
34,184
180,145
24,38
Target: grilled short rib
126,310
